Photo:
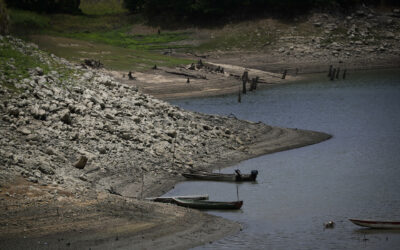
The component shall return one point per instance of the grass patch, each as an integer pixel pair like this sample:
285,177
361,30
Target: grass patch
121,38
107,38
16,65
102,7
27,21
113,57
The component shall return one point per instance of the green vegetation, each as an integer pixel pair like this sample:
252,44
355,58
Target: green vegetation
121,38
16,65
102,7
113,57
22,19
110,38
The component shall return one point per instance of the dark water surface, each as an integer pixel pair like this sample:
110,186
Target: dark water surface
356,174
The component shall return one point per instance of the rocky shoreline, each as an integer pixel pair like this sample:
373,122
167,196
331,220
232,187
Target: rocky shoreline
78,151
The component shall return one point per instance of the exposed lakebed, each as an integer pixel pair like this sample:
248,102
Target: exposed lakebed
354,174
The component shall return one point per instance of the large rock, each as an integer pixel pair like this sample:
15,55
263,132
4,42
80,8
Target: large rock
81,163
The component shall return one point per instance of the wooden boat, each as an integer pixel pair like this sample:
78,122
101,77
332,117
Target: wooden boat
204,204
238,177
377,224
170,199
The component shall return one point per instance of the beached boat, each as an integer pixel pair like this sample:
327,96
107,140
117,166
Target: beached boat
377,224
170,199
238,177
204,204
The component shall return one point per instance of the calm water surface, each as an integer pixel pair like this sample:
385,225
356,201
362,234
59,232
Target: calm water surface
356,174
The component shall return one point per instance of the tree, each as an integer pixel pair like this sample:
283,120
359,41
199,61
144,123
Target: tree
3,18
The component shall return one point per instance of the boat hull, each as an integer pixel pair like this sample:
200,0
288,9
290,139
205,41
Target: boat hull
202,204
377,224
220,177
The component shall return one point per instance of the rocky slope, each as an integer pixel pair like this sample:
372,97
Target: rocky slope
49,122
75,144
363,39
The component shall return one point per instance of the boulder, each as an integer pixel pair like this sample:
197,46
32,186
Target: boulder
81,163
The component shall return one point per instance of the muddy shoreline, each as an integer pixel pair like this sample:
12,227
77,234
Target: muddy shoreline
166,86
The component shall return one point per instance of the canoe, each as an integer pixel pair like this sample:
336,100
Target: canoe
204,204
238,177
377,224
170,199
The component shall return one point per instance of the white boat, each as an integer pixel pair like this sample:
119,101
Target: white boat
377,224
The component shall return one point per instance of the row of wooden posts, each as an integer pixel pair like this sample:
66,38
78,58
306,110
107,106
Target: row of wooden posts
334,73
245,79
253,83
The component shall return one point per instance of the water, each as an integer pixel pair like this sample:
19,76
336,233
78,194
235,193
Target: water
353,175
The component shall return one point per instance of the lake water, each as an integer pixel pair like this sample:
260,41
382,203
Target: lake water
356,174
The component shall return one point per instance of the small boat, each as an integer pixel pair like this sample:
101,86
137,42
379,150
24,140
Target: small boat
170,199
237,176
377,224
203,204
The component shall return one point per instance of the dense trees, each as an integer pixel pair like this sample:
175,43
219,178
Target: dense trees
48,6
206,9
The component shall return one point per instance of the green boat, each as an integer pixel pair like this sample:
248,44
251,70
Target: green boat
205,204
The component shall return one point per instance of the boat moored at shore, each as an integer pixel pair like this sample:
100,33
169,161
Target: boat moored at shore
377,224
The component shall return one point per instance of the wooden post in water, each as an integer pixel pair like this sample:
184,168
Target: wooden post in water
141,191
337,73
245,78
284,74
330,71
344,74
255,81
173,153
239,96
237,191
333,74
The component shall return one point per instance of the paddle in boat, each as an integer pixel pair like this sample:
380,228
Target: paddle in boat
204,204
237,176
170,199
377,224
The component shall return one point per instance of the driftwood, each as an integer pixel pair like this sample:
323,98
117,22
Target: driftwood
131,77
92,63
186,75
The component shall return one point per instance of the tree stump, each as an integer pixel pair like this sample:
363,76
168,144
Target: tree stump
284,74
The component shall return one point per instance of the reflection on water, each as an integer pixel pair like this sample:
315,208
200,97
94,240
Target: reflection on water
353,175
